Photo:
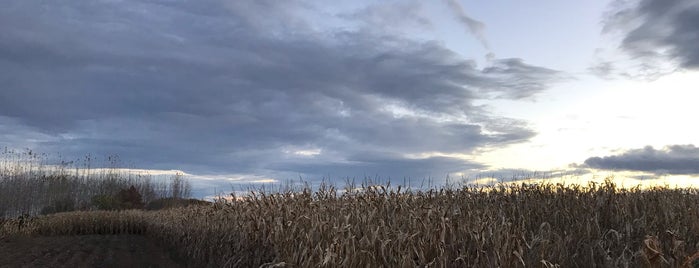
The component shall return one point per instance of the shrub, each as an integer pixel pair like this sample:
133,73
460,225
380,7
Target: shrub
166,203
61,205
106,202
130,198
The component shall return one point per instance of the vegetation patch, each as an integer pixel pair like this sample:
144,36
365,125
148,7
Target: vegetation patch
377,226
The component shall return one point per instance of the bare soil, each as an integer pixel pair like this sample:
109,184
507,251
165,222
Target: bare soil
130,251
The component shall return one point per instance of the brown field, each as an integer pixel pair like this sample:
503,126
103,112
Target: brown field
83,251
504,226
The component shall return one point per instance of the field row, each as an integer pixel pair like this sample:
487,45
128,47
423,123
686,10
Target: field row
502,226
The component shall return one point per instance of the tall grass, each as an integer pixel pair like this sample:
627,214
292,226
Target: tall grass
31,182
543,225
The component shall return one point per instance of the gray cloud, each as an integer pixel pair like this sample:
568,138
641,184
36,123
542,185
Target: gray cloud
204,86
603,69
659,35
392,167
391,16
475,27
674,159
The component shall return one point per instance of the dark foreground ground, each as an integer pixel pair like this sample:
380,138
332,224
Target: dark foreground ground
84,251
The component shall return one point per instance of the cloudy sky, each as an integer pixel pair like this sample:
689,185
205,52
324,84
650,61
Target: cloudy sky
244,91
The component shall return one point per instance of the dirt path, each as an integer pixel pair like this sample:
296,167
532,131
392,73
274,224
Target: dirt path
84,251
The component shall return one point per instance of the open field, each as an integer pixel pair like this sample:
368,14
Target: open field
83,251
333,134
502,226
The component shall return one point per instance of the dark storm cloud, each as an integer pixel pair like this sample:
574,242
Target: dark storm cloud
655,32
211,86
674,159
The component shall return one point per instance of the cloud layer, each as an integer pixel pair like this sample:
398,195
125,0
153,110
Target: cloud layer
674,159
210,86
659,35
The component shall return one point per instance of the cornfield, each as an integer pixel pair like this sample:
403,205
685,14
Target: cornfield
541,225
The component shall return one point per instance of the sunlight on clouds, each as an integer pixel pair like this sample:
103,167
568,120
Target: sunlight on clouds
264,181
636,114
227,180
399,111
484,181
309,153
627,179
153,172
425,155
623,179
302,152
241,179
620,116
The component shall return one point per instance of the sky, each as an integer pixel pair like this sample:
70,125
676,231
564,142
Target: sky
243,91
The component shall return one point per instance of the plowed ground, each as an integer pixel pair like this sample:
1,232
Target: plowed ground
84,251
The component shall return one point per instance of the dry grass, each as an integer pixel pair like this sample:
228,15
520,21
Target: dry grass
502,226
32,183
